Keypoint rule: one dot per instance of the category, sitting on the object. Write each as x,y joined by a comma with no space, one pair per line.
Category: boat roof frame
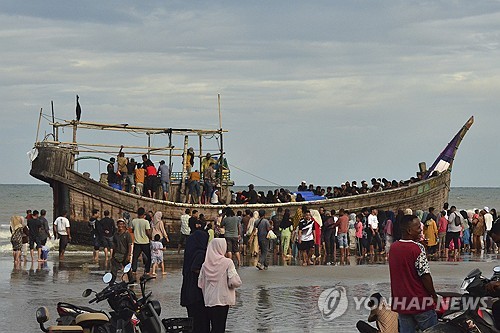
141,129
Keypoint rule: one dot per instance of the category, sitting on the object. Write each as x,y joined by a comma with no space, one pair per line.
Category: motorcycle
130,313
470,311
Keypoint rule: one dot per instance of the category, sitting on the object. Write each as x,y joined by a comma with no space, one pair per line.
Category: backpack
457,220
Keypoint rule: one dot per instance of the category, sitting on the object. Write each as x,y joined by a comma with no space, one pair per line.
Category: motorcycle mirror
496,269
87,292
107,278
127,268
42,315
473,273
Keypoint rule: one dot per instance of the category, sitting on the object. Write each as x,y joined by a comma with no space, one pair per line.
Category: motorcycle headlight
466,283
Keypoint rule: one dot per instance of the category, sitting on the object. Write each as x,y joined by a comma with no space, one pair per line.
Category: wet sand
283,298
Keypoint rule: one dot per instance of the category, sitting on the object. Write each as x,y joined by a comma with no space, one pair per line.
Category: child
359,236
45,253
210,231
157,255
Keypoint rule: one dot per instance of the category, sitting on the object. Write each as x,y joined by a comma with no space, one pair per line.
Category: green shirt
140,226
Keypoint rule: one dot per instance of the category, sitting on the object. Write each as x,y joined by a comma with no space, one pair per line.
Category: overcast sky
322,91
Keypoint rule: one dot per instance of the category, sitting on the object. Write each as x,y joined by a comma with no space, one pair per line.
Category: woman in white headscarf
16,229
253,241
218,280
158,228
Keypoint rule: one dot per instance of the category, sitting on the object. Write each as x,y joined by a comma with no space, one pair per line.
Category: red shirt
317,232
151,170
407,263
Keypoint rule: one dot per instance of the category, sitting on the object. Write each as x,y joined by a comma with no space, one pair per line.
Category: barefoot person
16,239
122,254
306,238
62,231
142,237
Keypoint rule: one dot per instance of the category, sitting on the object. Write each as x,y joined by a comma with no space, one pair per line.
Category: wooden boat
53,161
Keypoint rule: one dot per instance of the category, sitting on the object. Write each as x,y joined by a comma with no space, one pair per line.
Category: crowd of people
214,249
30,234
330,237
203,186
143,178
344,190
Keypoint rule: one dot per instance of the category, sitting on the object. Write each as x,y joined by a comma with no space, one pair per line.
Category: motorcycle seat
66,329
91,319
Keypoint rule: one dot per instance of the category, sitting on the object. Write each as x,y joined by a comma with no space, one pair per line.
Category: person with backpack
453,232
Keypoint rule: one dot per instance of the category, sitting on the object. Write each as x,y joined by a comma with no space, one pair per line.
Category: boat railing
177,176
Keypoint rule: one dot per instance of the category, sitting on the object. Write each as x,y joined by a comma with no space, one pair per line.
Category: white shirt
185,230
61,224
373,221
488,221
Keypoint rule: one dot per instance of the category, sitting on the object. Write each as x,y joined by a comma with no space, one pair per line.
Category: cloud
326,91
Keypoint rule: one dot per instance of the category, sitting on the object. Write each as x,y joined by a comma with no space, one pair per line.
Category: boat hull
78,195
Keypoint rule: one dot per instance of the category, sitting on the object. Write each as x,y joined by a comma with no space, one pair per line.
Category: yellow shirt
139,226
430,232
205,163
194,176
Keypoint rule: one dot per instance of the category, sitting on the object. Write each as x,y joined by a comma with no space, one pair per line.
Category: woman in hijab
218,280
158,228
253,242
191,294
16,229
286,229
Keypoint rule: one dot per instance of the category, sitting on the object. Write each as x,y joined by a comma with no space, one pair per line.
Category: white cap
486,209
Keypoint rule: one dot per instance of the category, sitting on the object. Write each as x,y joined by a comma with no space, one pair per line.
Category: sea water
16,199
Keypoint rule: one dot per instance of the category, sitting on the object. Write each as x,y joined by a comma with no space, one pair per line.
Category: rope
266,180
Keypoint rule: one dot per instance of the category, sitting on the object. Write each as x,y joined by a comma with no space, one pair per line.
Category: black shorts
182,240
96,242
306,246
107,242
63,242
32,242
453,237
232,244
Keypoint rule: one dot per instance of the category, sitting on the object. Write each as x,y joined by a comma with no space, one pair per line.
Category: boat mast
38,127
170,161
221,141
53,120
184,165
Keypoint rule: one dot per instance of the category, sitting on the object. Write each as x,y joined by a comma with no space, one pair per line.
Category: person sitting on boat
252,197
302,187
